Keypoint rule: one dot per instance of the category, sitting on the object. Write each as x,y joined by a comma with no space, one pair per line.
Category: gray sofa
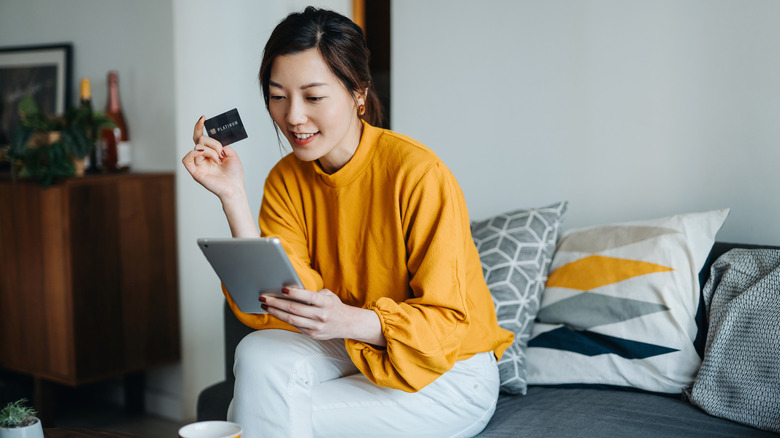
551,411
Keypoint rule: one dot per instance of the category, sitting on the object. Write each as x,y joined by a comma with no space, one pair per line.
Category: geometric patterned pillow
738,379
619,308
516,249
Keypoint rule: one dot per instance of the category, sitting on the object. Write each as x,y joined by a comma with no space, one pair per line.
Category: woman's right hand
215,167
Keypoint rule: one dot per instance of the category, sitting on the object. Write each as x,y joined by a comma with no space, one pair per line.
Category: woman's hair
341,45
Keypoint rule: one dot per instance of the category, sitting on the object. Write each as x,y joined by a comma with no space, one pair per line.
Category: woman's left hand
321,315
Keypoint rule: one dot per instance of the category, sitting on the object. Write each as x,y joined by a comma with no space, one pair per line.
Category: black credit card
226,127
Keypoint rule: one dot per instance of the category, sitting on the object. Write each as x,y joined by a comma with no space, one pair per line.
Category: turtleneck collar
357,164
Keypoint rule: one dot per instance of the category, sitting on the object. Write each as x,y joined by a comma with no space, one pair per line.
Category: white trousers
289,385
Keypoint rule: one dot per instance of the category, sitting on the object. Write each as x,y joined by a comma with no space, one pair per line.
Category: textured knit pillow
739,378
620,304
516,249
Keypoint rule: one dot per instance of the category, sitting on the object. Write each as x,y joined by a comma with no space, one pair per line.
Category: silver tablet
250,267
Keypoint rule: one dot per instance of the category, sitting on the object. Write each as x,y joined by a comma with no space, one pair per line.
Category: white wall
628,110
217,54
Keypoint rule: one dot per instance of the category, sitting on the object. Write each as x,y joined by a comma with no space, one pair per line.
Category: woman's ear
361,97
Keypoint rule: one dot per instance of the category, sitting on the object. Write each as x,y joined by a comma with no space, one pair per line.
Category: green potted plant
50,148
19,421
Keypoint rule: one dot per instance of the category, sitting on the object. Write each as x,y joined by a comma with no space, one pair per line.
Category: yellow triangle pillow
620,302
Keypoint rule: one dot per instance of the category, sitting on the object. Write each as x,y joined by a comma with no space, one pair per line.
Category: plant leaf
76,142
19,141
28,107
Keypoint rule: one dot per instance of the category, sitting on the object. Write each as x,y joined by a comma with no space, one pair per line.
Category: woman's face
314,110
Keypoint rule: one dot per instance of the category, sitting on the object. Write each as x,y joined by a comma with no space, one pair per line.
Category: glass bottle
93,159
117,151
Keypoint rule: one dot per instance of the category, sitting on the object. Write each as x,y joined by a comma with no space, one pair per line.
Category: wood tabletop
68,432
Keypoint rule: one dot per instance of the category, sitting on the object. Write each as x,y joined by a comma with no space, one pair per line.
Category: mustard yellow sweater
388,232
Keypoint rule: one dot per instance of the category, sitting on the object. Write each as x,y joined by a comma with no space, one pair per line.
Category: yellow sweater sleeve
280,218
424,333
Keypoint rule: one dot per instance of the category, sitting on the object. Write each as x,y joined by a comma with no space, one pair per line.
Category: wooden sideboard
88,280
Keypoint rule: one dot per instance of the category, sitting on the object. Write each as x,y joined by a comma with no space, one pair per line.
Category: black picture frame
43,71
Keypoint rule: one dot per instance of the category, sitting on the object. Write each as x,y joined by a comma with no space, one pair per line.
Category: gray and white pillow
516,249
738,379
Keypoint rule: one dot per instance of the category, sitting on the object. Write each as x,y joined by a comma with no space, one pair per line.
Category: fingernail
286,290
264,307
262,299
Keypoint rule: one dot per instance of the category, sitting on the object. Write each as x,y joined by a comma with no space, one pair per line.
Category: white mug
211,429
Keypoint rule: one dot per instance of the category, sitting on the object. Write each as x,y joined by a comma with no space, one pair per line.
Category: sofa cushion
738,378
620,304
515,249
582,413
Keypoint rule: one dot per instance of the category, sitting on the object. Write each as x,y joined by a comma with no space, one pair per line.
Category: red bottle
117,152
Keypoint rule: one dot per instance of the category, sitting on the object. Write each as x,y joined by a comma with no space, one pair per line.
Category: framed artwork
43,72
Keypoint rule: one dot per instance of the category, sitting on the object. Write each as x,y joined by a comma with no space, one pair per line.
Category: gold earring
361,109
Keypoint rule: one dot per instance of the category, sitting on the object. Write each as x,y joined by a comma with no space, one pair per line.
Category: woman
394,333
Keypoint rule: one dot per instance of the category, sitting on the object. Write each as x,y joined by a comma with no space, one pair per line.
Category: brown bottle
116,146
